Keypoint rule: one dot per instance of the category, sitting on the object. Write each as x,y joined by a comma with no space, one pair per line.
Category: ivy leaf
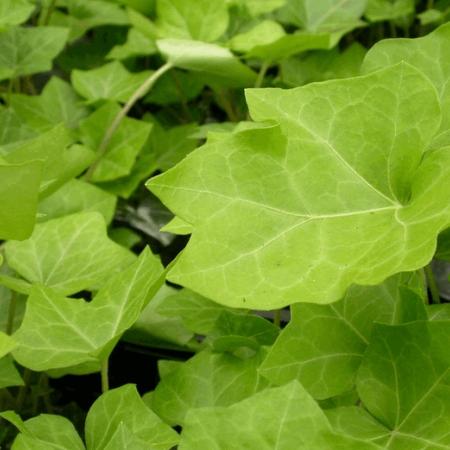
378,10
207,379
404,381
216,64
123,147
14,12
6,344
256,7
137,44
9,375
123,406
69,254
109,82
19,191
323,345
60,332
200,20
418,52
13,128
25,51
283,418
57,103
326,15
307,207
78,196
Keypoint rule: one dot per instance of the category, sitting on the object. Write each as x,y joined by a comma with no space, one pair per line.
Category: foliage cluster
295,157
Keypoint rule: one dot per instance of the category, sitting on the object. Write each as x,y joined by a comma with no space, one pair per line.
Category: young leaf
60,332
201,20
6,344
57,103
404,381
419,52
14,12
283,418
9,375
123,407
323,345
78,196
215,63
308,207
109,82
207,379
69,254
25,51
19,191
123,147
378,10
137,44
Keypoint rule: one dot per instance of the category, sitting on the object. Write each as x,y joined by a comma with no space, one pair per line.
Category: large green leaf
57,103
14,12
78,196
200,20
207,379
340,192
123,147
19,191
323,345
404,381
215,63
60,332
324,15
24,51
124,407
284,418
69,254
429,54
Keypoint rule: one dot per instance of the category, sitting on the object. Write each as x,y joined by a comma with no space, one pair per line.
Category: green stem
277,318
432,286
46,13
140,92
11,313
104,375
262,73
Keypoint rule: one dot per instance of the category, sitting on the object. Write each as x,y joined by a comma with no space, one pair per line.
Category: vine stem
44,19
277,318
104,375
11,313
261,74
432,286
138,93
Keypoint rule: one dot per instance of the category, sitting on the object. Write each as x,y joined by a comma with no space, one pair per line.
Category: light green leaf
404,381
123,406
137,44
78,196
323,65
60,332
48,432
61,160
207,379
125,237
69,254
257,7
14,12
324,15
25,51
378,10
200,20
19,191
86,14
215,63
284,418
123,147
57,103
177,226
429,54
323,345
6,344
109,82
316,207
9,375
13,128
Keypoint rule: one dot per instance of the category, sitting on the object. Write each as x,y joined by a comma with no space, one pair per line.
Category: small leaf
25,51
378,10
137,44
9,375
124,407
69,254
14,12
6,344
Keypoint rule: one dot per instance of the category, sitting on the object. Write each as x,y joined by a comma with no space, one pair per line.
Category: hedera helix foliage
302,145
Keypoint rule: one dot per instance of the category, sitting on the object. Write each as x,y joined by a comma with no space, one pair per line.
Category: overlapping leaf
340,192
